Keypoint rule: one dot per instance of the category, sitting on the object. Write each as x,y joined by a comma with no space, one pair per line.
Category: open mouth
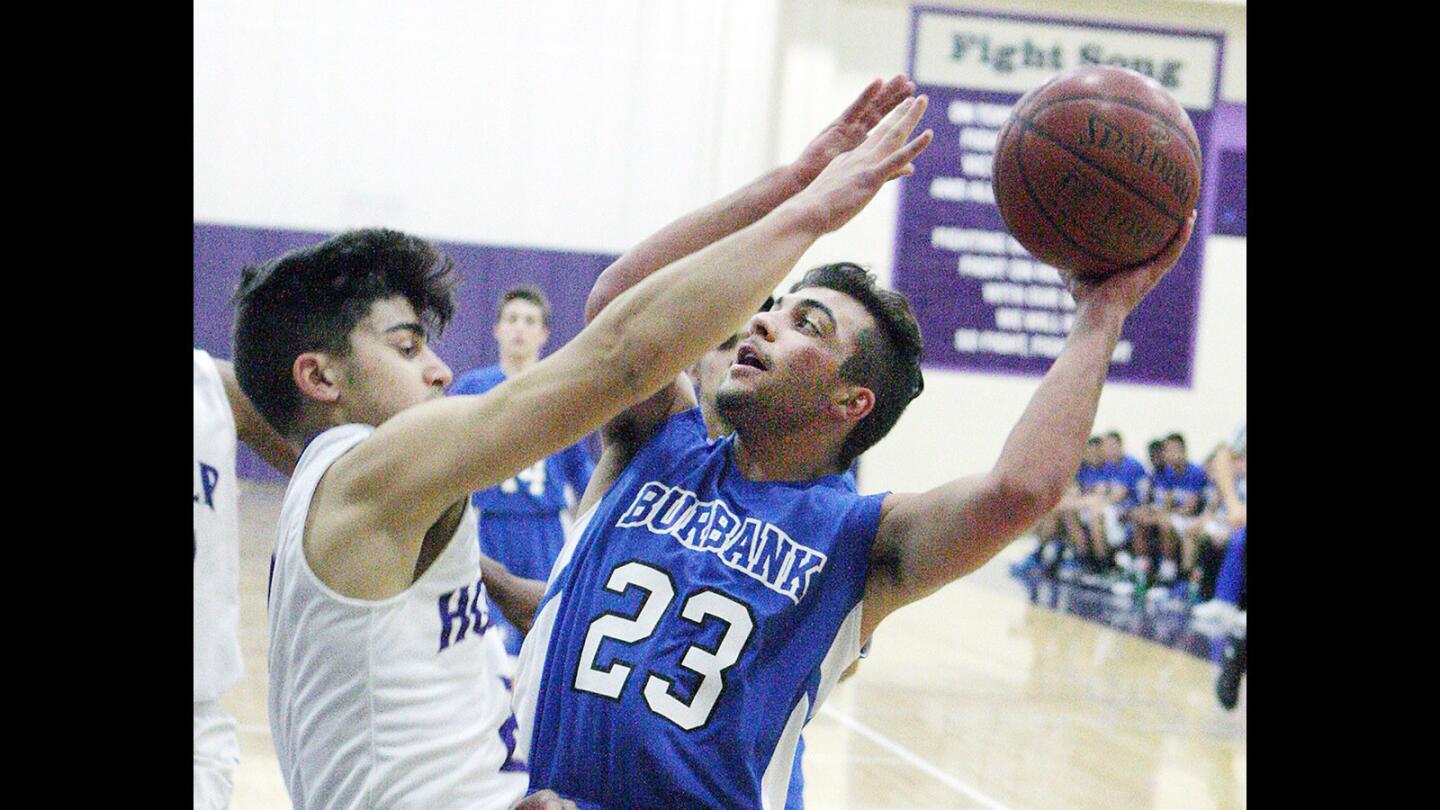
747,356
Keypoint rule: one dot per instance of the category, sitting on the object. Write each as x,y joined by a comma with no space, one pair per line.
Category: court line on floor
913,759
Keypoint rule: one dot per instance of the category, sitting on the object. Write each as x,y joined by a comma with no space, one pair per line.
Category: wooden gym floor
972,698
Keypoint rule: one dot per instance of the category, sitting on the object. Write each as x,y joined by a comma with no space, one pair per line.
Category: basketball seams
1106,262
1031,126
1188,136
1114,199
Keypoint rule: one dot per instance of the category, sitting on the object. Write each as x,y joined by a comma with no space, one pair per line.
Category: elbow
628,354
1025,500
601,294
594,303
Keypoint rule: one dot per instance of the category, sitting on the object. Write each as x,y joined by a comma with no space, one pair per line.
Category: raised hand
853,177
849,130
1126,288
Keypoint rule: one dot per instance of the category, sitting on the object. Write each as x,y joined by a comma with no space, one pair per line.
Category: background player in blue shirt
520,518
1122,475
713,591
1183,483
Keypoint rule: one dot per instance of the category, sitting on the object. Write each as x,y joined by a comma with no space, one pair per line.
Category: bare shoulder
351,545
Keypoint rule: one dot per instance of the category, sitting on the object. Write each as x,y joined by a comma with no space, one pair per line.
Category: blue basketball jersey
1184,487
1088,477
520,517
540,488
1128,472
691,627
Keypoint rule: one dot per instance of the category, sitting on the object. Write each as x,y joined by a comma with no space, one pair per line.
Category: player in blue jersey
714,590
707,375
1228,470
1184,484
1122,475
520,518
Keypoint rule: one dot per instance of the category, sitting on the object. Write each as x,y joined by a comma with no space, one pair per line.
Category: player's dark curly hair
886,359
312,298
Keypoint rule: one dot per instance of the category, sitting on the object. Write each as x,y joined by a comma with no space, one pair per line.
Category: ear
317,375
853,403
544,335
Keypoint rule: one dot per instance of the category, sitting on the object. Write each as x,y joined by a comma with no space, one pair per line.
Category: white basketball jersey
216,552
396,703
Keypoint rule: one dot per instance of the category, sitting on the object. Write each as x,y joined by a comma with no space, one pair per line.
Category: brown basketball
1096,170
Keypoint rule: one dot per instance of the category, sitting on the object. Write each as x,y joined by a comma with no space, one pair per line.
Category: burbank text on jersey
760,549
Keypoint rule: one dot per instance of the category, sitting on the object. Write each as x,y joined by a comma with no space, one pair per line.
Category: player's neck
513,365
784,456
715,424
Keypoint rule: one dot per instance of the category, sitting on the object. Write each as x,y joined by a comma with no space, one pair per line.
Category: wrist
1099,313
793,178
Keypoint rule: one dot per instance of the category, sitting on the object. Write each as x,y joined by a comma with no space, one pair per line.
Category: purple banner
983,303
484,272
1230,201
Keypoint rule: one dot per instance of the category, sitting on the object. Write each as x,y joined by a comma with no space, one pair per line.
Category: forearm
1042,452
428,456
692,232
252,429
517,597
717,288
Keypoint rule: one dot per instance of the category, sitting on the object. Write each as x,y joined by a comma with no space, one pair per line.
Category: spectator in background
520,519
1074,525
1121,476
1085,517
1184,483
1175,506
1227,465
1148,515
1227,531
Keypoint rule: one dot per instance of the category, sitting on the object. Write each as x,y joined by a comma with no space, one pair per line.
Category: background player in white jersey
222,415
379,695
715,591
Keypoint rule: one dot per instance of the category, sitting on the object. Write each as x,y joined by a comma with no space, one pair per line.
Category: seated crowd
1164,529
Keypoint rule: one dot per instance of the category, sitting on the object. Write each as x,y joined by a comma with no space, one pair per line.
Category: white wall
586,125
580,125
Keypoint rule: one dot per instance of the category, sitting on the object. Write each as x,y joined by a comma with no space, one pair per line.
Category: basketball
1096,170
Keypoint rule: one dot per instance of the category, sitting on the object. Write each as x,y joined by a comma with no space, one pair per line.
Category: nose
437,373
761,326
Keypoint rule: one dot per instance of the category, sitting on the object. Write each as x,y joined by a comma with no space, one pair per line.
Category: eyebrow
811,303
413,327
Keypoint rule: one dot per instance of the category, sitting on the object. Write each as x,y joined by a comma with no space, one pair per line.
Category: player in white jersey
381,692
222,415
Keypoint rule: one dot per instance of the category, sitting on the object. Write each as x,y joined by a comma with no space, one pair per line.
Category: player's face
1094,456
711,369
391,366
1112,448
789,361
1174,454
520,330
